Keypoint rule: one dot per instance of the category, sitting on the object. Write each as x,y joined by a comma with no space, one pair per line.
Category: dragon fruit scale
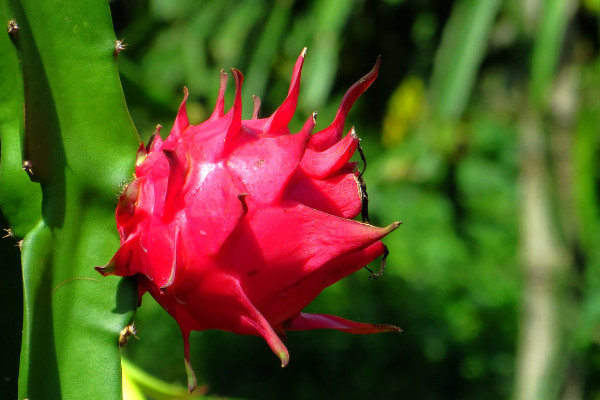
238,224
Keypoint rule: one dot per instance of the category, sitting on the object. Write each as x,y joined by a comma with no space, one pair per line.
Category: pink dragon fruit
238,224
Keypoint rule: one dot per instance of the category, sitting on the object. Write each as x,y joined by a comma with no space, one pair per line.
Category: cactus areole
239,224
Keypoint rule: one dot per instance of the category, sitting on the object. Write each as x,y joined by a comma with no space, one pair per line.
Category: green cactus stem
63,113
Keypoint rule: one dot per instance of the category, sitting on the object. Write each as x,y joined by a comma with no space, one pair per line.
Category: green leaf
81,144
585,178
547,48
329,19
458,58
265,52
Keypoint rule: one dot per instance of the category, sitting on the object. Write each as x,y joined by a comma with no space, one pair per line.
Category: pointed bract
306,321
180,125
330,135
282,117
330,161
234,126
220,106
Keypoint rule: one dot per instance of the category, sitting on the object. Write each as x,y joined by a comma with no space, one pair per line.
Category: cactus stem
12,27
77,278
120,46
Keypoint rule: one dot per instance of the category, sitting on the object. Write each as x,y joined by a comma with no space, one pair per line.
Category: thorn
20,244
28,167
12,27
9,233
129,330
119,46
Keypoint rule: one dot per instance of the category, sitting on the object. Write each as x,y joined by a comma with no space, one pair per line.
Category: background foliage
481,134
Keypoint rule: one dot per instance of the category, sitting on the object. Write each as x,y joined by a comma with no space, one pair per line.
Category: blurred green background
481,134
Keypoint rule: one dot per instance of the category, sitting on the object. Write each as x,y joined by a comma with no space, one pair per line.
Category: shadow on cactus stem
44,149
42,326
126,296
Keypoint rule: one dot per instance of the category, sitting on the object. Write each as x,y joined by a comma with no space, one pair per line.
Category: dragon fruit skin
238,224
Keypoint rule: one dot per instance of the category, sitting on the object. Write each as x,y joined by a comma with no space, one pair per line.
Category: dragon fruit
238,224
